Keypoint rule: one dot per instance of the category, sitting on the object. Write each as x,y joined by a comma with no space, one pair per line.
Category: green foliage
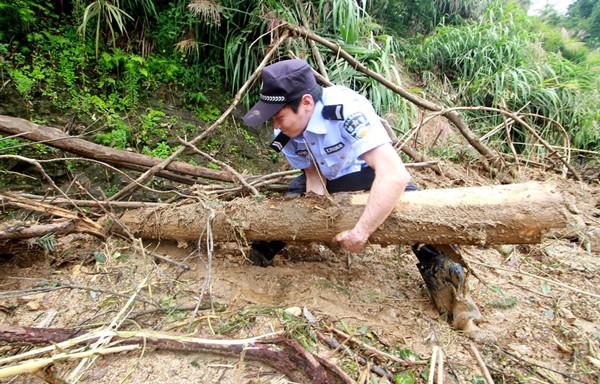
410,17
405,378
111,190
104,14
162,150
18,17
584,18
23,83
116,138
152,127
171,25
9,146
496,63
346,16
134,51
208,112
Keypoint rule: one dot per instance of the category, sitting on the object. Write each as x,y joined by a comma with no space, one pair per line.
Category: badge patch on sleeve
357,125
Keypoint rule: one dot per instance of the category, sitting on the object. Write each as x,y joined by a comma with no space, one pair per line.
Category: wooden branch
37,230
550,281
433,364
81,224
482,367
313,48
164,174
440,368
371,350
58,201
488,154
58,285
518,119
346,379
38,364
56,138
275,350
334,344
235,173
501,214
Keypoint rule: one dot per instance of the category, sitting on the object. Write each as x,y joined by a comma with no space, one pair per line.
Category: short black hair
316,94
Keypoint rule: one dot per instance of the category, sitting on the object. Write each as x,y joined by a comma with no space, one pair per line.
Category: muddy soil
542,303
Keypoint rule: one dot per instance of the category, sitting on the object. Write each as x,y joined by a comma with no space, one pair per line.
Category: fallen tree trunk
56,138
502,214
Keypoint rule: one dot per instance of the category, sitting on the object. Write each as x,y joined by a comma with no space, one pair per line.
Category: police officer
335,137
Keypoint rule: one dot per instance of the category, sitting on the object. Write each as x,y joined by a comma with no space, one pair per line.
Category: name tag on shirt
334,148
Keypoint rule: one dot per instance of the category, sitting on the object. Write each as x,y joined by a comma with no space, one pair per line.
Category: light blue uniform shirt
338,142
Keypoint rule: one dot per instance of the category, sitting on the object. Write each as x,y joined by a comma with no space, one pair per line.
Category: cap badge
272,99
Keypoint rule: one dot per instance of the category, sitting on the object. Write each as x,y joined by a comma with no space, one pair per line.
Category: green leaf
405,378
545,288
100,258
407,354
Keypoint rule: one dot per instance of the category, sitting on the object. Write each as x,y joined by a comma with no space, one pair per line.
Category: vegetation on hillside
582,20
499,61
121,66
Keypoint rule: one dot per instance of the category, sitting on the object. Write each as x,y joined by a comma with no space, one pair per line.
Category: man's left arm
391,177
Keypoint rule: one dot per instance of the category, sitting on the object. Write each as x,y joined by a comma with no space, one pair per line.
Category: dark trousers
356,181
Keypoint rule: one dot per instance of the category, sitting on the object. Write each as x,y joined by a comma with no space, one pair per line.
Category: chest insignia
333,148
302,152
333,112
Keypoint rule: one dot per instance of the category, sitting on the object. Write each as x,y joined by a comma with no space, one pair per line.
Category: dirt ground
542,302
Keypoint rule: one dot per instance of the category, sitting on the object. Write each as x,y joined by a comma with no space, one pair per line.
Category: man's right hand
352,240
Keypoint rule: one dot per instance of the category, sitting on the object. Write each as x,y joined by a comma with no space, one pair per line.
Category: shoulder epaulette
279,142
333,112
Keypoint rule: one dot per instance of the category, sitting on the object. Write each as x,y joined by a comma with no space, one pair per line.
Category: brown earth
379,297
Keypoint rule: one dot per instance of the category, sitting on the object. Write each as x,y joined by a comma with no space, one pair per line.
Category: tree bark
56,138
502,214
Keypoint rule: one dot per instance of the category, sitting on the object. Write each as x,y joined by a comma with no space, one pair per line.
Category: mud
379,295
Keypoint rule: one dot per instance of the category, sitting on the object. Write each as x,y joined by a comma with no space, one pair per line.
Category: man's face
291,123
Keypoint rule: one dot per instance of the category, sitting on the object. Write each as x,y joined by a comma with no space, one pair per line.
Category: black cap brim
260,113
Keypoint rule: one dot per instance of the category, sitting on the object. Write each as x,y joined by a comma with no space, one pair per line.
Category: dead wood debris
275,349
80,222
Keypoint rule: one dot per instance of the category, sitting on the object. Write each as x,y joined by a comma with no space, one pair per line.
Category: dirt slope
379,297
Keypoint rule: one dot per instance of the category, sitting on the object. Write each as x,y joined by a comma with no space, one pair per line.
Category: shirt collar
316,124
